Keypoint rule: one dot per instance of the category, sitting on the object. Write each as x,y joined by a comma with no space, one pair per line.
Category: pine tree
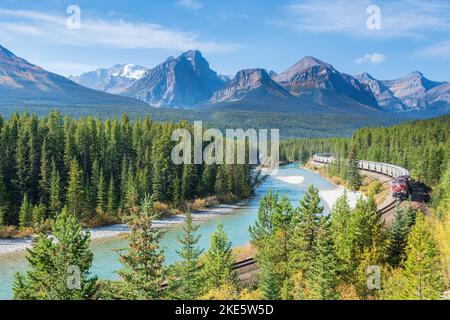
322,276
39,214
55,191
76,196
177,194
56,263
268,283
274,229
23,159
342,234
26,213
188,182
45,174
222,186
2,216
188,284
353,177
398,235
368,229
4,200
424,278
111,201
101,197
219,261
306,226
263,227
143,271
208,180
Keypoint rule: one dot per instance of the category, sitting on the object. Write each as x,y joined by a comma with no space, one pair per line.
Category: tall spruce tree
322,276
4,200
26,213
58,266
45,174
55,204
101,196
219,261
305,230
352,175
143,271
269,282
398,235
424,277
342,235
188,283
76,196
112,198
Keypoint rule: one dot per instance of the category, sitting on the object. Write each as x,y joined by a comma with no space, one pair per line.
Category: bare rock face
385,97
179,82
412,90
439,97
250,81
310,76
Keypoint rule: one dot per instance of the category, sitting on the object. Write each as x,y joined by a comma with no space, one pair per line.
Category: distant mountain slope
24,83
411,93
385,97
318,80
412,89
439,97
254,89
179,82
248,82
111,80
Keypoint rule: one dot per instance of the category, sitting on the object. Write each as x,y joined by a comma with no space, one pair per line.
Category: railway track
236,267
388,207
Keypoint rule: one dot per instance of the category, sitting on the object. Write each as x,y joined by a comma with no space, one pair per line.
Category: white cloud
191,4
436,50
96,32
373,58
407,18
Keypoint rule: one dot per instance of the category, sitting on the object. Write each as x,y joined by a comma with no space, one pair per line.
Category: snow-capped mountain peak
113,79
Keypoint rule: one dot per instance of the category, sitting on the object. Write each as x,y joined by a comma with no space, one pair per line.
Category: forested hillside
422,146
99,169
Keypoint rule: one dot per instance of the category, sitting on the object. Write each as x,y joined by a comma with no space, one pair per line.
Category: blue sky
413,34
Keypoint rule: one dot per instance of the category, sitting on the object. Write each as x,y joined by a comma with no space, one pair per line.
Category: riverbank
9,246
331,196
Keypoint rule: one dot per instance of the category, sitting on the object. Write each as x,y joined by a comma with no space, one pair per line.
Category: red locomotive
400,187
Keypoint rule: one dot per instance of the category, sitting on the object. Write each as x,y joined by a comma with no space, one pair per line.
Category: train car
400,188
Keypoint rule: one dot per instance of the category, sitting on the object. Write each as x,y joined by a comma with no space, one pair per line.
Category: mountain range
309,85
188,82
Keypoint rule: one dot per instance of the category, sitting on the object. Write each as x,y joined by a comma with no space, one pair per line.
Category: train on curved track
401,183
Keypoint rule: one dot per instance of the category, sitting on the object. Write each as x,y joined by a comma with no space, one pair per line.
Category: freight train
400,185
